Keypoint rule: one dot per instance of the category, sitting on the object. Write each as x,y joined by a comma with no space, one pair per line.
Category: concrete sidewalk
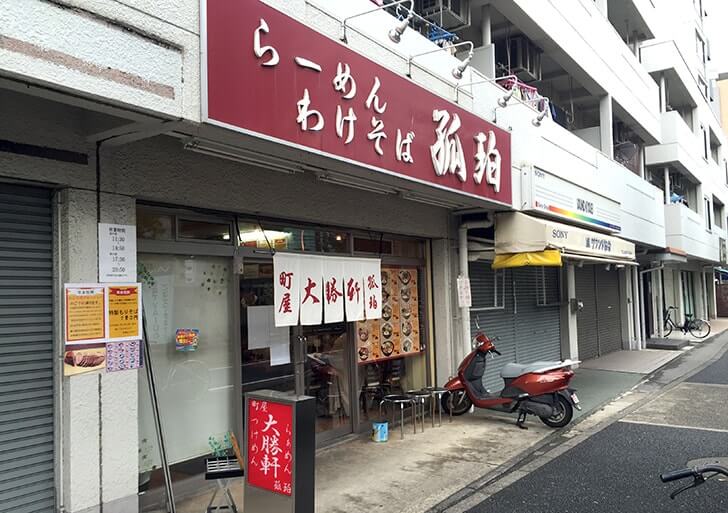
420,472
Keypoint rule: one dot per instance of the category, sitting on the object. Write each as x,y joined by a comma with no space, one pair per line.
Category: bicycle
698,328
700,470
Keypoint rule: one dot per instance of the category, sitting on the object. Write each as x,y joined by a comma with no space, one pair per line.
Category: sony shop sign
549,194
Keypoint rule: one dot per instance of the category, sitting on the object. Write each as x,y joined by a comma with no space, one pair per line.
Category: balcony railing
686,231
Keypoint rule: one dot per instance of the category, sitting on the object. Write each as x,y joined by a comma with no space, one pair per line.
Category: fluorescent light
354,183
438,202
259,235
236,154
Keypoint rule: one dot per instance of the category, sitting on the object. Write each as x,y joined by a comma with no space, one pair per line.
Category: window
547,286
203,230
700,48
725,167
717,212
706,148
153,225
293,238
708,213
488,286
703,87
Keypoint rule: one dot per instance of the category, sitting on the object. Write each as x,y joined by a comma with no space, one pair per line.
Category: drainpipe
463,259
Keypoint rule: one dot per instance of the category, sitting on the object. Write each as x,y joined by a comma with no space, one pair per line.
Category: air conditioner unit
448,14
521,57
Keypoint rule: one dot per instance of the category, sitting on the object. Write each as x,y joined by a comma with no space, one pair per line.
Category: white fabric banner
286,283
311,290
372,272
333,272
354,290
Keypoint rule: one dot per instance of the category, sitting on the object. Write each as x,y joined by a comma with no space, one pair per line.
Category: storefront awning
518,235
548,258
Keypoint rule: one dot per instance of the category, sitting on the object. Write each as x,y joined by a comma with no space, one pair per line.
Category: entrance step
666,343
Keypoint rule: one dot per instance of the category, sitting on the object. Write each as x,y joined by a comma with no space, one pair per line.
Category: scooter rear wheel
461,403
563,414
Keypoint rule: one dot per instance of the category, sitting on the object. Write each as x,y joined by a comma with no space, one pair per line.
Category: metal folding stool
222,470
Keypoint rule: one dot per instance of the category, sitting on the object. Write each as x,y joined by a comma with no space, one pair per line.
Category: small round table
436,393
403,401
420,397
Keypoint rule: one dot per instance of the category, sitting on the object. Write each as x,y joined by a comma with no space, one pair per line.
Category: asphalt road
616,470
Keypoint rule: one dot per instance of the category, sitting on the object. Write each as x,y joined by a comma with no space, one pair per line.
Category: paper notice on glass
280,354
262,332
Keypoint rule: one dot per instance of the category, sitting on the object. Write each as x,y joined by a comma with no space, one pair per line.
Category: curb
558,438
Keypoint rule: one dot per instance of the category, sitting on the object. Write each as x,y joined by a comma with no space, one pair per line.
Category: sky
716,25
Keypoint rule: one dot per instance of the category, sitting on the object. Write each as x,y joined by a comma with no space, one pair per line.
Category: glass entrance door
327,377
306,360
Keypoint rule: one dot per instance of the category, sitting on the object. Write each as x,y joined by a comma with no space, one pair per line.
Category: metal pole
157,419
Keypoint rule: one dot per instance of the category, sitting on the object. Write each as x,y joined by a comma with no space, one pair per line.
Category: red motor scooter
539,388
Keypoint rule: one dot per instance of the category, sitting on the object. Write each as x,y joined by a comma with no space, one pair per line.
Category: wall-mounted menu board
397,333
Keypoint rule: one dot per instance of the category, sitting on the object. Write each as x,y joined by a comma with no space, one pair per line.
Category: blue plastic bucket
380,431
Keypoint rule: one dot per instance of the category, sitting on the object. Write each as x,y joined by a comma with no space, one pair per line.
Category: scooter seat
513,370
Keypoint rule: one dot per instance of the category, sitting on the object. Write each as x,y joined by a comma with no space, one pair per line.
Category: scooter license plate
574,399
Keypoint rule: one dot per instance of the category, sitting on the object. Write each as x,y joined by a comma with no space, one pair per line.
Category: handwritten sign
85,313
270,446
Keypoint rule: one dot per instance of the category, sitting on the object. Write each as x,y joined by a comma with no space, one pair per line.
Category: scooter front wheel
563,413
461,403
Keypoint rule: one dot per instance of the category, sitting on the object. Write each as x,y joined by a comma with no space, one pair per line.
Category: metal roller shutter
538,317
608,311
586,319
499,322
26,357
527,332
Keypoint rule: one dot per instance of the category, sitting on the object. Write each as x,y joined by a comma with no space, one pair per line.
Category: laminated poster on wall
84,358
187,339
125,355
397,333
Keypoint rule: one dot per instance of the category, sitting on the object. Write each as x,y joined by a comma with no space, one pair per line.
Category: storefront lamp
459,74
395,34
537,120
503,100
460,68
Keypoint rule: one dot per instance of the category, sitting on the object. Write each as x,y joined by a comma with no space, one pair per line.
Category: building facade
565,159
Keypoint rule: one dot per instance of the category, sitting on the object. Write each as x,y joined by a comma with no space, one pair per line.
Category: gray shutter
26,351
609,318
538,328
493,322
586,319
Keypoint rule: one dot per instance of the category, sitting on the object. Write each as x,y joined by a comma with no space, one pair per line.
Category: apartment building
564,159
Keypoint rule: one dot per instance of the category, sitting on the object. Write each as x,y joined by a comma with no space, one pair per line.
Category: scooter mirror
477,322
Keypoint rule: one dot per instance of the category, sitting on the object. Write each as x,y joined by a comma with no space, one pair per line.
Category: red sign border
254,397
206,119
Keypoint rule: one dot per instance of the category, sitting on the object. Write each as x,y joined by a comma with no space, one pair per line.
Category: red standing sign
269,75
270,446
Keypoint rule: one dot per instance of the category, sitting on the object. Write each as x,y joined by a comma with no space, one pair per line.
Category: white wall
107,50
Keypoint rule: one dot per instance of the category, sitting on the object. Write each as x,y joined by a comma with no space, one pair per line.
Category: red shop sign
273,77
270,445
